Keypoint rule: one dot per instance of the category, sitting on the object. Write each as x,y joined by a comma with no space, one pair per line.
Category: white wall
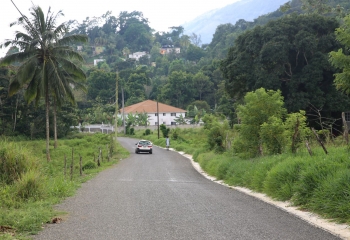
167,119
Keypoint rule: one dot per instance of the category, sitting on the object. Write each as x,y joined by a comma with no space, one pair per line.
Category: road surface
161,196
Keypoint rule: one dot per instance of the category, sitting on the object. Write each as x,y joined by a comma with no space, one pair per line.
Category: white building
167,113
166,49
137,55
97,61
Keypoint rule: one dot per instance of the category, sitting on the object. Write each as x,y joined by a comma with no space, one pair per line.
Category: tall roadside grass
30,186
318,183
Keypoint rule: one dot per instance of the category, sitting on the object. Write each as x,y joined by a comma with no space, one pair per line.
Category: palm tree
46,60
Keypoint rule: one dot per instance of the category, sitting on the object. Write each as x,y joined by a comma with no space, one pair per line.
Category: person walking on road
167,142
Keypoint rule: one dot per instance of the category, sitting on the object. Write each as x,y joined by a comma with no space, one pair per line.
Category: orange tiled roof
150,106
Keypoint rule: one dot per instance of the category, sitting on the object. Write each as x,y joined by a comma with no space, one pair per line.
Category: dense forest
285,50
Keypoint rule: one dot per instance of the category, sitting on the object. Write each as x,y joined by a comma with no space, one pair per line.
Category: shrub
296,129
258,108
272,135
165,131
147,132
175,134
14,161
89,165
215,138
30,185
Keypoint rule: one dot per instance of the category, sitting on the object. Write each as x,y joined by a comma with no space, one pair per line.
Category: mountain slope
206,24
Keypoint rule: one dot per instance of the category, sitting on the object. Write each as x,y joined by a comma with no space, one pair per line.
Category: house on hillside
137,55
96,61
167,113
166,49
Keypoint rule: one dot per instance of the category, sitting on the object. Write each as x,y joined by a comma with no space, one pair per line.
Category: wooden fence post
295,136
308,147
71,165
101,155
107,153
319,141
98,160
80,164
65,165
346,130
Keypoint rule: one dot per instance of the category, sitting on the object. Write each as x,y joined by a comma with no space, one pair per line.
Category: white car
143,146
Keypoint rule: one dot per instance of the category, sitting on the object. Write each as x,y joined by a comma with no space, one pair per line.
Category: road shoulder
340,230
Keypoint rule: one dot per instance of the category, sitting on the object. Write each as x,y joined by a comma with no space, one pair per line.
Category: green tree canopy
341,58
291,55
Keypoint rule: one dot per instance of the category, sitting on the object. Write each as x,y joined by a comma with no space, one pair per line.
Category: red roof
150,106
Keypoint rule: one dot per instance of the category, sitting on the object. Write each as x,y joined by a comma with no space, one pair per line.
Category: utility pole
158,118
116,107
123,110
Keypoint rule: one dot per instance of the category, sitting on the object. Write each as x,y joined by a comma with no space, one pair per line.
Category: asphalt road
161,196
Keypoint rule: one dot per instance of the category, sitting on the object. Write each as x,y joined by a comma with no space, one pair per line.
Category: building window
156,123
164,123
164,114
156,114
173,114
347,116
173,123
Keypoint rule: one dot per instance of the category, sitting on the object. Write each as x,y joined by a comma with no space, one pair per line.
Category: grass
30,186
320,183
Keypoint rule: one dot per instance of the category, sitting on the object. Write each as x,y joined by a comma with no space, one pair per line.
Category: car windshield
144,143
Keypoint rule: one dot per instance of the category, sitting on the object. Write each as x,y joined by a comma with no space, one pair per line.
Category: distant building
166,49
80,48
97,61
167,113
137,55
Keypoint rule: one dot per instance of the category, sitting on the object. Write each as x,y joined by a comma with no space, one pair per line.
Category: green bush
258,107
14,161
89,165
165,131
147,132
30,185
272,135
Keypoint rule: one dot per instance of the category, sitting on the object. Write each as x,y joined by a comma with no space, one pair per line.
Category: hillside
248,10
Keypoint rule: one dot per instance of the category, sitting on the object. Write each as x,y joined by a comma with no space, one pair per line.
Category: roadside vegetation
30,186
271,152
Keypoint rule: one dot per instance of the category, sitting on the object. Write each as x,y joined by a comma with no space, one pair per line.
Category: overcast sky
161,14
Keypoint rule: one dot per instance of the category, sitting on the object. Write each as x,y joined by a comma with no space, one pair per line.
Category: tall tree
202,84
46,60
341,58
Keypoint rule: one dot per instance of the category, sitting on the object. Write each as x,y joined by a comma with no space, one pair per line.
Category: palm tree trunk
47,103
15,120
55,121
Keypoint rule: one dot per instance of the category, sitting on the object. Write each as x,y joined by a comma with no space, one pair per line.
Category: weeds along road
161,196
